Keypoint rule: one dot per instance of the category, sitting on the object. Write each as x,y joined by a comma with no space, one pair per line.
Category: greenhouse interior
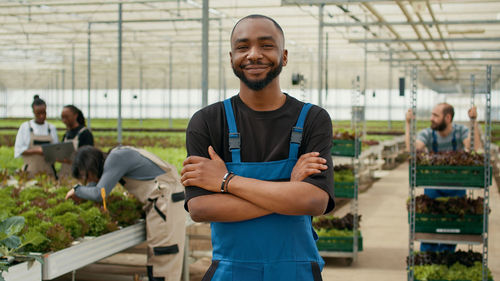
123,120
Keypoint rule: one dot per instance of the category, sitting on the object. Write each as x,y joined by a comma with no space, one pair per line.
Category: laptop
58,151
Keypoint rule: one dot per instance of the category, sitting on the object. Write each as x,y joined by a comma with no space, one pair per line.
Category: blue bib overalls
435,193
269,248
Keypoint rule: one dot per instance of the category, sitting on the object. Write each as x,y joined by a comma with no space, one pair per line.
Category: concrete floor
384,226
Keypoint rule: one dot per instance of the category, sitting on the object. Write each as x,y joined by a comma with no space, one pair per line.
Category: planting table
25,271
92,250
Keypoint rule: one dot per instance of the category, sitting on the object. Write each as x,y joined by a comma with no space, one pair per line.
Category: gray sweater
123,162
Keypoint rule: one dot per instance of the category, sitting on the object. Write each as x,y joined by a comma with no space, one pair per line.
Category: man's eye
242,48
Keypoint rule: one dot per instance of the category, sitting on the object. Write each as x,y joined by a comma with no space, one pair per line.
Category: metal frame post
140,89
73,74
365,80
389,90
356,165
204,54
63,86
413,172
89,116
57,90
220,59
472,93
320,54
164,97
189,91
170,84
487,164
119,125
326,69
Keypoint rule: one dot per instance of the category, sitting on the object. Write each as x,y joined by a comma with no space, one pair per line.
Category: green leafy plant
450,158
343,173
11,244
331,222
448,205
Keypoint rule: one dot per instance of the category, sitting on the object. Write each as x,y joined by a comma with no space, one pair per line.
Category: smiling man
259,167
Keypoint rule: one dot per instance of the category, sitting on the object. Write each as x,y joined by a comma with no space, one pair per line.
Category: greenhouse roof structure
58,43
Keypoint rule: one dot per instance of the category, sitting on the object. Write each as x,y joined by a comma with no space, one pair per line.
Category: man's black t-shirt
265,137
85,138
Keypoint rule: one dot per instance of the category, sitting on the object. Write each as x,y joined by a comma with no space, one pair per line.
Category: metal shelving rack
357,113
453,238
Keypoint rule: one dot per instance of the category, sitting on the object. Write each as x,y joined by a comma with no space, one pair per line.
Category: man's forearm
407,137
477,137
32,151
223,208
287,198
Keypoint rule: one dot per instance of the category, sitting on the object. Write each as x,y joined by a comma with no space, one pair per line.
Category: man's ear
448,118
285,57
231,57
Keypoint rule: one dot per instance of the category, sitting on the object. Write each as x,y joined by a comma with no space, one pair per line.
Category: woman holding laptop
31,135
76,132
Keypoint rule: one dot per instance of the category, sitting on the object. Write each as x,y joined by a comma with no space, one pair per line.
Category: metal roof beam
436,50
331,2
82,3
416,40
437,59
406,23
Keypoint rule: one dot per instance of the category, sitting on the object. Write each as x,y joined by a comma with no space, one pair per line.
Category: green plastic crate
338,244
460,176
448,280
449,224
345,148
344,189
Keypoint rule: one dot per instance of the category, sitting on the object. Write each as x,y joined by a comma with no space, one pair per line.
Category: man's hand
308,164
409,116
473,113
203,172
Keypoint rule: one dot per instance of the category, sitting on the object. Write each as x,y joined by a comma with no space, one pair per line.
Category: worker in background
76,132
443,135
31,135
238,175
154,183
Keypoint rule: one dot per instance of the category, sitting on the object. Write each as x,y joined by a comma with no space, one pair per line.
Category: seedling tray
338,244
345,148
448,280
460,176
449,224
344,189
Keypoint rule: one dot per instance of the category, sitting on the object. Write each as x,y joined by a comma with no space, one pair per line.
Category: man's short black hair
258,16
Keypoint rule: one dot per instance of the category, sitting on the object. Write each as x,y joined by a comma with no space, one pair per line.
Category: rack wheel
348,261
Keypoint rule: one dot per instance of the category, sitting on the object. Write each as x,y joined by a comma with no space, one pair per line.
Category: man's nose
254,53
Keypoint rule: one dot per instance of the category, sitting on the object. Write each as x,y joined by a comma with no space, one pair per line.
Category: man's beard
439,127
259,84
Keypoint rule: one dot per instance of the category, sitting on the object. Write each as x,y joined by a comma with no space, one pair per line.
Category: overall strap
454,140
434,142
234,136
296,136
